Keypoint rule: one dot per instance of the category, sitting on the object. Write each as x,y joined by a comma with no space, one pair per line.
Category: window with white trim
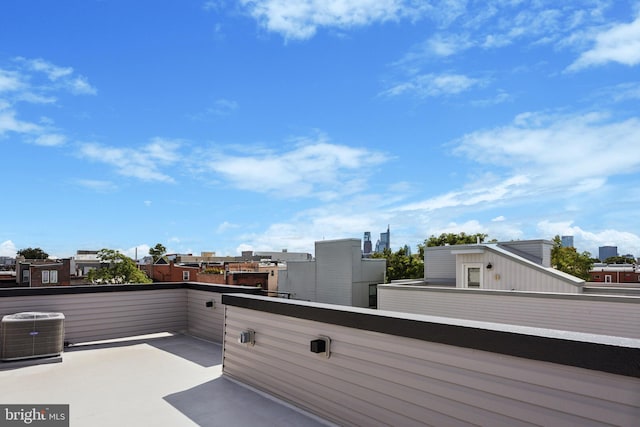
53,276
45,276
472,275
185,275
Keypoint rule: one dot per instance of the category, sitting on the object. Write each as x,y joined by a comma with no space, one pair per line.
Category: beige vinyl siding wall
538,251
376,379
334,270
366,272
205,322
439,265
105,315
507,274
299,279
607,315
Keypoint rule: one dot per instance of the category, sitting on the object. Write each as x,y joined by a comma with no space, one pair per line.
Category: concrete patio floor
160,380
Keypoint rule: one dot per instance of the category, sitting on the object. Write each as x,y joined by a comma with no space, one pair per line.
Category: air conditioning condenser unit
31,334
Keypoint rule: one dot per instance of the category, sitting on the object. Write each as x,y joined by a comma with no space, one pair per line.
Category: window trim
465,274
45,273
185,275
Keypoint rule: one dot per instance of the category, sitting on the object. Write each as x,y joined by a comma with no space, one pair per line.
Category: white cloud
96,185
33,81
301,19
80,86
499,98
221,107
143,163
52,71
492,25
140,251
624,92
490,192
225,226
432,85
243,247
10,81
591,240
314,167
447,44
59,78
8,248
213,5
469,227
620,43
9,122
498,219
554,150
50,140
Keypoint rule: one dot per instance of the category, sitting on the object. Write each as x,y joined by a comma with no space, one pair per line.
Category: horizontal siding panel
339,405
376,378
579,315
205,322
96,316
365,342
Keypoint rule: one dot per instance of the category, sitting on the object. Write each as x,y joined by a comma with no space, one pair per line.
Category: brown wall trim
610,354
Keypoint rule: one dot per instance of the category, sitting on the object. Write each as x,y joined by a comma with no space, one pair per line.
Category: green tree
402,266
454,239
33,253
570,261
620,260
120,269
157,251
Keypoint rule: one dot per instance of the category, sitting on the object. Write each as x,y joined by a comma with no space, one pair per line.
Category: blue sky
268,124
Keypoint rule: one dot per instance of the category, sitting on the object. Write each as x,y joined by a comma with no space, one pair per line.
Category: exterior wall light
210,304
489,266
247,337
321,345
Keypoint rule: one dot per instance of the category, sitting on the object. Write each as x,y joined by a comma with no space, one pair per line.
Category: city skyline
264,125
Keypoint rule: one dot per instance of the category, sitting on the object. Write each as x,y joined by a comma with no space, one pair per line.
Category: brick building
240,274
615,273
40,273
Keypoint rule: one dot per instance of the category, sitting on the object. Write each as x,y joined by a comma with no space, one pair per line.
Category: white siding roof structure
502,268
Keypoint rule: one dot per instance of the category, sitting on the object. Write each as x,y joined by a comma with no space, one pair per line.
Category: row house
39,273
615,273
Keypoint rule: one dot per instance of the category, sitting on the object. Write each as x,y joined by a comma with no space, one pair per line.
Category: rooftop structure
338,275
523,265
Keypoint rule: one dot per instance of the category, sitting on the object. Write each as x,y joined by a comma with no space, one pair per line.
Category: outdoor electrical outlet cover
247,337
321,345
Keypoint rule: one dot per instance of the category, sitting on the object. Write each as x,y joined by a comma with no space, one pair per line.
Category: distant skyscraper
384,242
605,252
366,249
567,241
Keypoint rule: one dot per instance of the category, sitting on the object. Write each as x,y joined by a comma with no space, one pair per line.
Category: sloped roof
561,275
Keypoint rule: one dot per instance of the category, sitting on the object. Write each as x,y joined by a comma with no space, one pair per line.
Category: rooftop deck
185,364
161,380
